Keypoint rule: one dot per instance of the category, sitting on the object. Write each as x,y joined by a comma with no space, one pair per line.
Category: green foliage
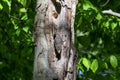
113,61
94,65
97,40
16,43
86,63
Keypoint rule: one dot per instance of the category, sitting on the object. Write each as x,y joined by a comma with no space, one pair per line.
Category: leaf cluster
97,40
16,42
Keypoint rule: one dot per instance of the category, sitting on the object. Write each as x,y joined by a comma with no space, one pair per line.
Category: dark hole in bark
65,73
65,47
65,35
58,54
55,79
57,6
40,53
54,36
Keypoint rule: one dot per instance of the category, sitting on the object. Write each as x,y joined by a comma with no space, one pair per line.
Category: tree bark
55,56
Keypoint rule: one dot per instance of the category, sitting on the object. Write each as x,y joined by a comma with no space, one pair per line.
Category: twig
105,3
13,17
111,13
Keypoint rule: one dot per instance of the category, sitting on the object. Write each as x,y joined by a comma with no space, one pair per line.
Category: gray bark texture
55,56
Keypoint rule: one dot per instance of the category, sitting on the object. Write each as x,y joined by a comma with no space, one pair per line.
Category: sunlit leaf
23,10
1,7
113,25
80,67
86,63
113,61
25,29
23,2
87,5
25,17
106,24
94,65
98,17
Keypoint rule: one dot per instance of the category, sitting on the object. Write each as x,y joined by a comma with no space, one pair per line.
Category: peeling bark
55,56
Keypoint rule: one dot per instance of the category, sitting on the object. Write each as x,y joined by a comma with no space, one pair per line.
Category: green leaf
86,63
105,65
23,2
1,63
113,25
7,5
23,10
98,17
87,5
1,7
113,61
25,29
17,32
13,22
25,17
94,65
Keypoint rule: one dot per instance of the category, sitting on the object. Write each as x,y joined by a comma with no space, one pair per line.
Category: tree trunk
55,56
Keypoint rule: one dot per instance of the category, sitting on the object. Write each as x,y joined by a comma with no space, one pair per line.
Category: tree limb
111,13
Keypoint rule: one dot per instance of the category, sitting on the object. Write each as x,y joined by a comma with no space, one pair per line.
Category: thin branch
13,17
111,13
105,3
